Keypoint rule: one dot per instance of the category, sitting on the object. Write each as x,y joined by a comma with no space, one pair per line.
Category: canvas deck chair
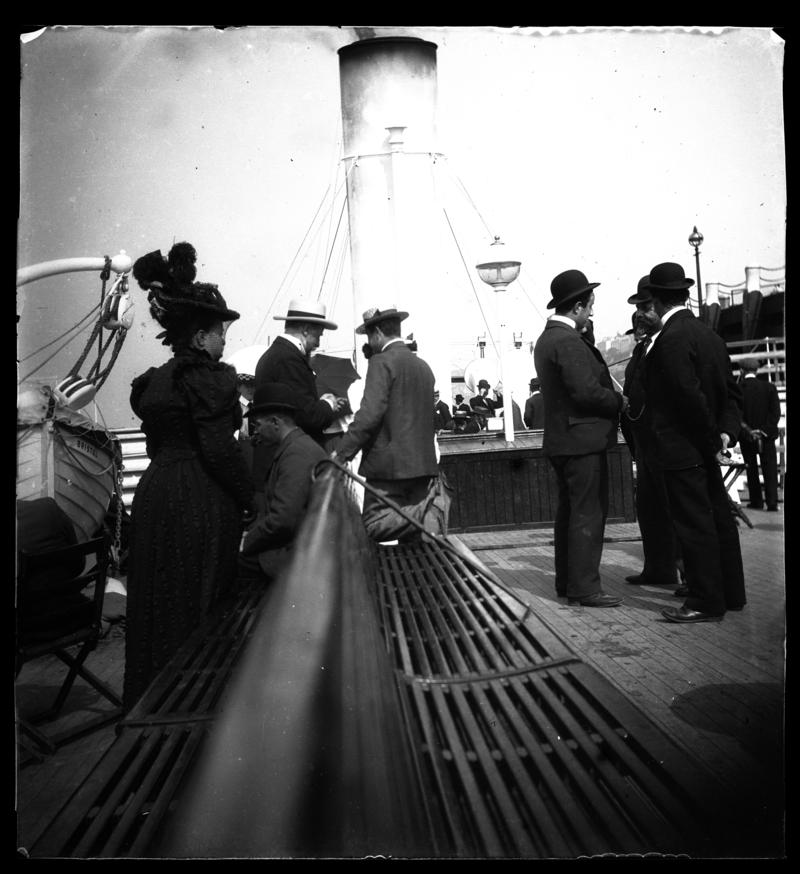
56,617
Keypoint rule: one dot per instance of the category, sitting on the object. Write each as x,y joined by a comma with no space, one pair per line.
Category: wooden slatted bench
524,749
396,701
116,810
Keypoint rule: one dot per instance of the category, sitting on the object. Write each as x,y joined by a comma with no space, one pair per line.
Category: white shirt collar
669,314
557,318
389,342
750,376
664,319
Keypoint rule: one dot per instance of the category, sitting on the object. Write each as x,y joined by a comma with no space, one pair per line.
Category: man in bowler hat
267,544
659,543
760,417
482,401
581,417
534,406
694,414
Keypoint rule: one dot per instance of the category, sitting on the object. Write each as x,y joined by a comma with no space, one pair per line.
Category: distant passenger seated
482,402
267,545
461,406
442,420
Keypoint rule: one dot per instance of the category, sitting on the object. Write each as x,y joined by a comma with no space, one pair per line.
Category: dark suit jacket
534,411
581,408
283,362
286,494
761,406
634,422
691,394
394,426
442,417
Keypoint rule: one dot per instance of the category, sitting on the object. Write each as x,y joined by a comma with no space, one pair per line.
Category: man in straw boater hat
267,544
580,425
695,411
287,361
395,431
659,544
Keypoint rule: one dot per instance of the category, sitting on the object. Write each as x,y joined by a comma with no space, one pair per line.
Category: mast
388,96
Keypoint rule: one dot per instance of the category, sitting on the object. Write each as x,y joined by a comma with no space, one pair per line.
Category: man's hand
724,456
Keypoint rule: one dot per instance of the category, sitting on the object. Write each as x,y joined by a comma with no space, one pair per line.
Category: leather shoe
755,506
685,614
599,599
642,580
636,579
681,592
772,509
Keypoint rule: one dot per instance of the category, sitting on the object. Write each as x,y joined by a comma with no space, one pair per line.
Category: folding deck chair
55,618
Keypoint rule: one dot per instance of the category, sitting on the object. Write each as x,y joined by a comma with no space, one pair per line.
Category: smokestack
397,241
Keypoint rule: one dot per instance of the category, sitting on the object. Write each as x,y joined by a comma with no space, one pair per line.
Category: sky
595,149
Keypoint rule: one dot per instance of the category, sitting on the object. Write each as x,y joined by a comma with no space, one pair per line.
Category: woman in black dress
193,500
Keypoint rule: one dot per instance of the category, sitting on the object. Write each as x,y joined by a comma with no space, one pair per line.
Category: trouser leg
586,481
696,529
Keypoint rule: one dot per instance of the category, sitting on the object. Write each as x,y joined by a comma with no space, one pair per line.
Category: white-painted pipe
120,263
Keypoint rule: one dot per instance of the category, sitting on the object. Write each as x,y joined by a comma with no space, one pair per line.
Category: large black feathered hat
170,283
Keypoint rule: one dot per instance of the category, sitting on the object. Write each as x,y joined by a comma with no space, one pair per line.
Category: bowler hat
567,286
272,396
668,277
374,315
310,311
642,291
483,383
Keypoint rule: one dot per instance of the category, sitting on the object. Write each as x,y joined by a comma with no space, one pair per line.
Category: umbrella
334,375
245,360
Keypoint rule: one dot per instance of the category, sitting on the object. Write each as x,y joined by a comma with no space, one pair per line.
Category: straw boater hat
272,396
310,311
642,291
668,277
567,286
374,315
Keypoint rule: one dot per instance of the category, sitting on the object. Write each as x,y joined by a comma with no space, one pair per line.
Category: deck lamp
499,269
696,238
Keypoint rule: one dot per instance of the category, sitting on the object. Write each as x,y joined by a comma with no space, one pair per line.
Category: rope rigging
117,332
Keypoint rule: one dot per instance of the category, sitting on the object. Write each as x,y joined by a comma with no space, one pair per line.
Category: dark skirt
184,543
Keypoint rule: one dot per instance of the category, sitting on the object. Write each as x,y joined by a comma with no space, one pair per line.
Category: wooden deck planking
716,689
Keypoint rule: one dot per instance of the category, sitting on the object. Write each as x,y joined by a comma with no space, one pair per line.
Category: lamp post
482,344
499,270
696,239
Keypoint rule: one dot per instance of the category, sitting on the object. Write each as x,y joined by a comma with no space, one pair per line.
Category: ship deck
716,688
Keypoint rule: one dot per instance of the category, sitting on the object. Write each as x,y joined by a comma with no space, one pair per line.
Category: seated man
267,544
461,406
442,419
481,401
